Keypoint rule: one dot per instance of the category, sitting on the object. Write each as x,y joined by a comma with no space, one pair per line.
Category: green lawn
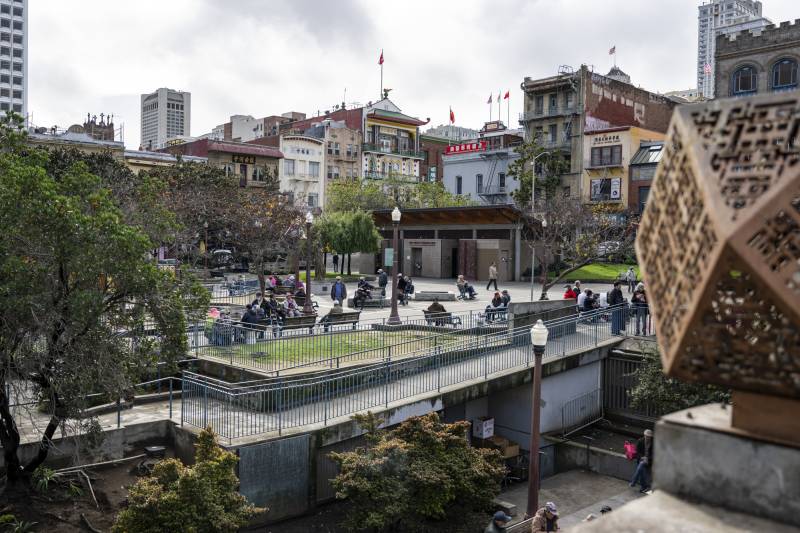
289,351
600,271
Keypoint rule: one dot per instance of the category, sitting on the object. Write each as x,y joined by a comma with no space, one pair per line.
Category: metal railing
278,403
581,411
369,147
273,348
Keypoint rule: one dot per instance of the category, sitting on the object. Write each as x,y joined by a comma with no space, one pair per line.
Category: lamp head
396,215
539,334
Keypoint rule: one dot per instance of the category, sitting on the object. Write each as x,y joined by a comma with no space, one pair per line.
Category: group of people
545,519
364,289
588,301
498,306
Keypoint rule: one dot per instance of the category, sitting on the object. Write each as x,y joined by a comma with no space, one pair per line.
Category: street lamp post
533,207
538,340
308,308
394,318
205,242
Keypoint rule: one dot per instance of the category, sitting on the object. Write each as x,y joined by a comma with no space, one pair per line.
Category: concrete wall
511,408
577,455
431,257
494,251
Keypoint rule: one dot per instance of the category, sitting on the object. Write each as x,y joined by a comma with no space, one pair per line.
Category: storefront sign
477,146
610,138
246,159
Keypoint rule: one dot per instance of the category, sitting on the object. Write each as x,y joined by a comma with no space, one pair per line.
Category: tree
535,161
195,499
390,192
75,286
348,232
422,471
665,394
576,235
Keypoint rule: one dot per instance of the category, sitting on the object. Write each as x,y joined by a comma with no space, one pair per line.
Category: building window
5,37
501,180
570,99
553,104
17,11
312,200
18,25
313,169
335,148
330,147
18,94
784,75
5,9
5,23
4,92
18,67
479,183
553,133
288,167
349,150
745,81
643,173
459,185
17,80
539,104
606,156
18,39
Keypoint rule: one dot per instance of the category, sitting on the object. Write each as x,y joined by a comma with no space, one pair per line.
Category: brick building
432,148
253,164
758,61
560,109
641,172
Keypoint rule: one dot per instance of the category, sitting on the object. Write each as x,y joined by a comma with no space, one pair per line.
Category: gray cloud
264,57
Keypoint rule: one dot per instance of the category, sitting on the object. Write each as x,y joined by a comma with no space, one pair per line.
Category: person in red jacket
569,293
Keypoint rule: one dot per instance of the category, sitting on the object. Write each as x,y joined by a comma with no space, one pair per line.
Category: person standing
338,291
644,462
616,302
383,281
335,263
630,277
492,276
402,283
639,304
498,524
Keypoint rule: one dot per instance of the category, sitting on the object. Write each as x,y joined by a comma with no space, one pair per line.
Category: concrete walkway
576,493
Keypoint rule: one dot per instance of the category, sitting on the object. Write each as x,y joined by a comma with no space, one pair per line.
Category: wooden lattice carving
719,244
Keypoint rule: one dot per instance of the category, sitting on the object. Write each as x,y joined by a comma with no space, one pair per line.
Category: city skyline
301,56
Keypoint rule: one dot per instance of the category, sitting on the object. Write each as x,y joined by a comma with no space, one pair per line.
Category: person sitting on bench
326,320
437,310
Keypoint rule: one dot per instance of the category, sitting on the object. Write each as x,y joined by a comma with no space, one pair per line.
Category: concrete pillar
474,233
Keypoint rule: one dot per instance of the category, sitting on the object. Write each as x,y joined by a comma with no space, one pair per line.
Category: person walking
339,291
402,283
639,304
546,518
335,263
492,276
630,277
644,462
383,281
498,524
616,302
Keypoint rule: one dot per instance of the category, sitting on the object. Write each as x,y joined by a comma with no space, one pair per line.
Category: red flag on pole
613,50
452,116
489,101
506,95
380,61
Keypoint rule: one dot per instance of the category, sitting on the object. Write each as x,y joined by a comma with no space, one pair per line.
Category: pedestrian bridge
282,404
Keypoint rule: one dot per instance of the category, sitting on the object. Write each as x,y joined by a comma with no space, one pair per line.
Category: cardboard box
510,451
497,442
483,427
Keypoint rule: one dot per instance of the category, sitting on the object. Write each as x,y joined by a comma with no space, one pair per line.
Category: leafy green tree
347,195
390,192
75,286
664,394
423,471
348,232
195,499
535,161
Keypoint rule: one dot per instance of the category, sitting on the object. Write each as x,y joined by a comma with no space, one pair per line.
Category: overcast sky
264,57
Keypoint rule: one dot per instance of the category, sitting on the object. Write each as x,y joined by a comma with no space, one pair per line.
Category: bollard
119,413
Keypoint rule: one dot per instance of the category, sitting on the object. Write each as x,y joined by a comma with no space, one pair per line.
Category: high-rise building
719,17
166,114
14,56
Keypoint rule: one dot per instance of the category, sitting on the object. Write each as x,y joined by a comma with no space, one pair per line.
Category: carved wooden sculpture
719,245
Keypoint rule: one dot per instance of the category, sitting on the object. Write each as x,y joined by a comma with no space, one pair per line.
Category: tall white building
718,17
166,114
14,56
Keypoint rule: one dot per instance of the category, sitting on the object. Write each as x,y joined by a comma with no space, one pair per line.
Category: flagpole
490,109
381,94
499,103
508,111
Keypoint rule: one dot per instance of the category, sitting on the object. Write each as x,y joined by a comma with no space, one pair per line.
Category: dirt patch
59,507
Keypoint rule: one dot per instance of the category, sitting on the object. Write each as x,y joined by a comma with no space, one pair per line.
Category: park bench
351,317
298,322
280,290
441,319
375,301
301,302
